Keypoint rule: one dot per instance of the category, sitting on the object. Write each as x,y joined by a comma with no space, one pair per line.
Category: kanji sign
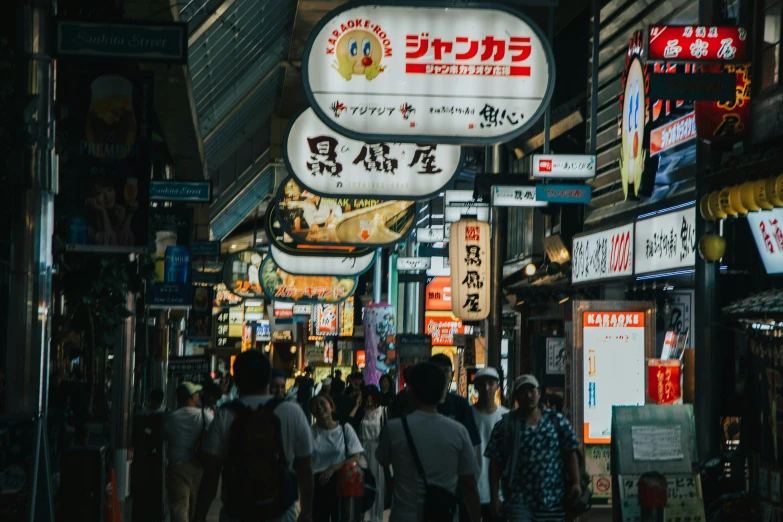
664,381
559,193
438,294
666,242
691,43
279,285
565,166
470,258
672,134
442,327
468,75
516,196
405,264
332,165
321,265
325,319
766,230
602,255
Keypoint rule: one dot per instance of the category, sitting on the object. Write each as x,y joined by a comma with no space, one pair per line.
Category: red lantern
725,123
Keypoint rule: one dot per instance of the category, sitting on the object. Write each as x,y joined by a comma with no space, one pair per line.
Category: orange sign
672,134
442,326
664,381
613,319
360,358
439,294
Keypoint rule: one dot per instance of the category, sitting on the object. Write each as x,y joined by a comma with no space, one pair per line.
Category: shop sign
516,196
726,122
183,191
325,318
429,235
664,381
683,86
193,368
635,104
263,331
116,41
346,317
766,230
469,252
687,43
320,265
665,242
614,364
360,222
279,285
200,317
407,264
442,327
561,193
467,75
283,310
603,255
302,309
242,273
168,296
205,248
439,294
563,166
673,133
224,297
330,164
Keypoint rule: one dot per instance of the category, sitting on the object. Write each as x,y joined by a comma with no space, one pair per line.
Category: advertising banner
470,260
379,341
438,294
563,166
442,327
668,43
614,366
766,230
279,285
666,242
330,164
314,220
603,255
242,274
428,74
105,134
200,317
169,228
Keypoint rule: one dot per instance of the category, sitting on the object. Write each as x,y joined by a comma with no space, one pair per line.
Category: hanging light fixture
530,270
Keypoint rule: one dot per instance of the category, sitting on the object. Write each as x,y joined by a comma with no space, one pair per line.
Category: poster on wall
379,341
279,285
614,368
426,74
331,164
666,242
359,222
325,319
105,133
555,355
470,259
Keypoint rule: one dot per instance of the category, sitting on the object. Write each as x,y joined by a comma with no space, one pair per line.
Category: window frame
762,7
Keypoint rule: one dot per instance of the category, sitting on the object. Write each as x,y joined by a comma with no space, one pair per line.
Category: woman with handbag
368,419
333,447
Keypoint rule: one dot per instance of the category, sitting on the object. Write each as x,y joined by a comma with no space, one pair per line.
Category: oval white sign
469,75
331,164
321,265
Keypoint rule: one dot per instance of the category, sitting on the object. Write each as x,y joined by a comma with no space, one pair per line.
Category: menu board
614,366
684,501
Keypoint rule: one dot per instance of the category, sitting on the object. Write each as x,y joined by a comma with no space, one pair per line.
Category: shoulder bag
440,504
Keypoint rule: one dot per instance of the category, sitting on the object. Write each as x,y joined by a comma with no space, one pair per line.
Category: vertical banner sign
200,318
346,318
726,123
666,242
469,253
614,357
379,341
635,104
105,164
664,381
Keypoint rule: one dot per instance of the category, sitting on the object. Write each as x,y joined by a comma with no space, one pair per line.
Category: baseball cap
327,381
487,372
523,380
191,387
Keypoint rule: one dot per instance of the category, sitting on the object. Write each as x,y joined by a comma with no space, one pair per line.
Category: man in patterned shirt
531,450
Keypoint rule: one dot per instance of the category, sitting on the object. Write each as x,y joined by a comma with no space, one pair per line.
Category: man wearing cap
487,414
533,451
183,430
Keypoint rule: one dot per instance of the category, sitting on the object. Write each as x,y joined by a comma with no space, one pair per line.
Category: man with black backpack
258,442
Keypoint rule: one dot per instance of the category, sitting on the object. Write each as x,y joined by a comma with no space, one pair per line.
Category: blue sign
168,296
562,193
145,42
198,191
205,248
177,264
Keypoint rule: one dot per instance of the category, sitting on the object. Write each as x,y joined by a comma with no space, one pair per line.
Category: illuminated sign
563,166
280,285
442,327
665,242
691,43
767,232
469,254
603,255
241,273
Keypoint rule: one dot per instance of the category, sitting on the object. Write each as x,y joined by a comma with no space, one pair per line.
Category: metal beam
209,21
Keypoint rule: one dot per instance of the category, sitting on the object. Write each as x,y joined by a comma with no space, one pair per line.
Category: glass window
770,51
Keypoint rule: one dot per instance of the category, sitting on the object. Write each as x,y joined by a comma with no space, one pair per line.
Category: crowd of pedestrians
279,456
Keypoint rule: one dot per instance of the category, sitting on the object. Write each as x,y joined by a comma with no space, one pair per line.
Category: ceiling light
530,269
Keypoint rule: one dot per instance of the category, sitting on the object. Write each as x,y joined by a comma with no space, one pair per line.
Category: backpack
257,482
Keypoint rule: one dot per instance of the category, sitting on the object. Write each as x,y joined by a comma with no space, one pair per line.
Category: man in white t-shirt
487,414
252,373
442,444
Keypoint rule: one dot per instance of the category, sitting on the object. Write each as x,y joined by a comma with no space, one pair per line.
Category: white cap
522,380
327,381
487,372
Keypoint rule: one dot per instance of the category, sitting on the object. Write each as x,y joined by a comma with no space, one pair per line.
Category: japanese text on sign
603,254
488,50
697,43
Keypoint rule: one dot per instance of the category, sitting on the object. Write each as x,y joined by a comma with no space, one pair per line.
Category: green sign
196,191
138,42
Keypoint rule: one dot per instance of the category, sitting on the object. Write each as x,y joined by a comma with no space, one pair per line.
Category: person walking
333,447
387,390
534,450
426,451
368,420
338,384
486,414
183,430
262,445
305,392
277,384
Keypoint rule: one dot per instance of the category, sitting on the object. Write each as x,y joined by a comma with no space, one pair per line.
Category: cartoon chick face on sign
359,52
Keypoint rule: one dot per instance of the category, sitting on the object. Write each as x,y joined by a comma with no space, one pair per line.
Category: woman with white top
330,441
369,418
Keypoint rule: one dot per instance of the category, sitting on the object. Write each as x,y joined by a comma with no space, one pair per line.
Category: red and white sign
564,166
692,43
726,123
442,327
439,294
766,230
283,310
463,75
603,255
672,134
664,381
614,366
325,320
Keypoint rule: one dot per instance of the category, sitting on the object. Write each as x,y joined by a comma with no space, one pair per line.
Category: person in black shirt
387,390
338,384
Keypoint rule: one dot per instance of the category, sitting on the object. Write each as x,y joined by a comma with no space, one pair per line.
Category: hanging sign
313,220
242,273
688,43
438,294
564,166
442,327
635,104
280,285
672,134
469,254
263,331
184,191
469,75
302,309
603,255
560,193
664,380
520,196
325,319
332,165
319,265
666,242
768,235
429,235
406,264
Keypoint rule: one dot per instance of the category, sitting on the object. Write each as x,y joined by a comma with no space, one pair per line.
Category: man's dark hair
427,382
277,374
211,394
155,395
441,360
252,372
357,375
386,378
555,401
338,374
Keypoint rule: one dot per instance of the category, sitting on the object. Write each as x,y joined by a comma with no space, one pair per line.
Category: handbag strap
415,453
345,440
511,464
